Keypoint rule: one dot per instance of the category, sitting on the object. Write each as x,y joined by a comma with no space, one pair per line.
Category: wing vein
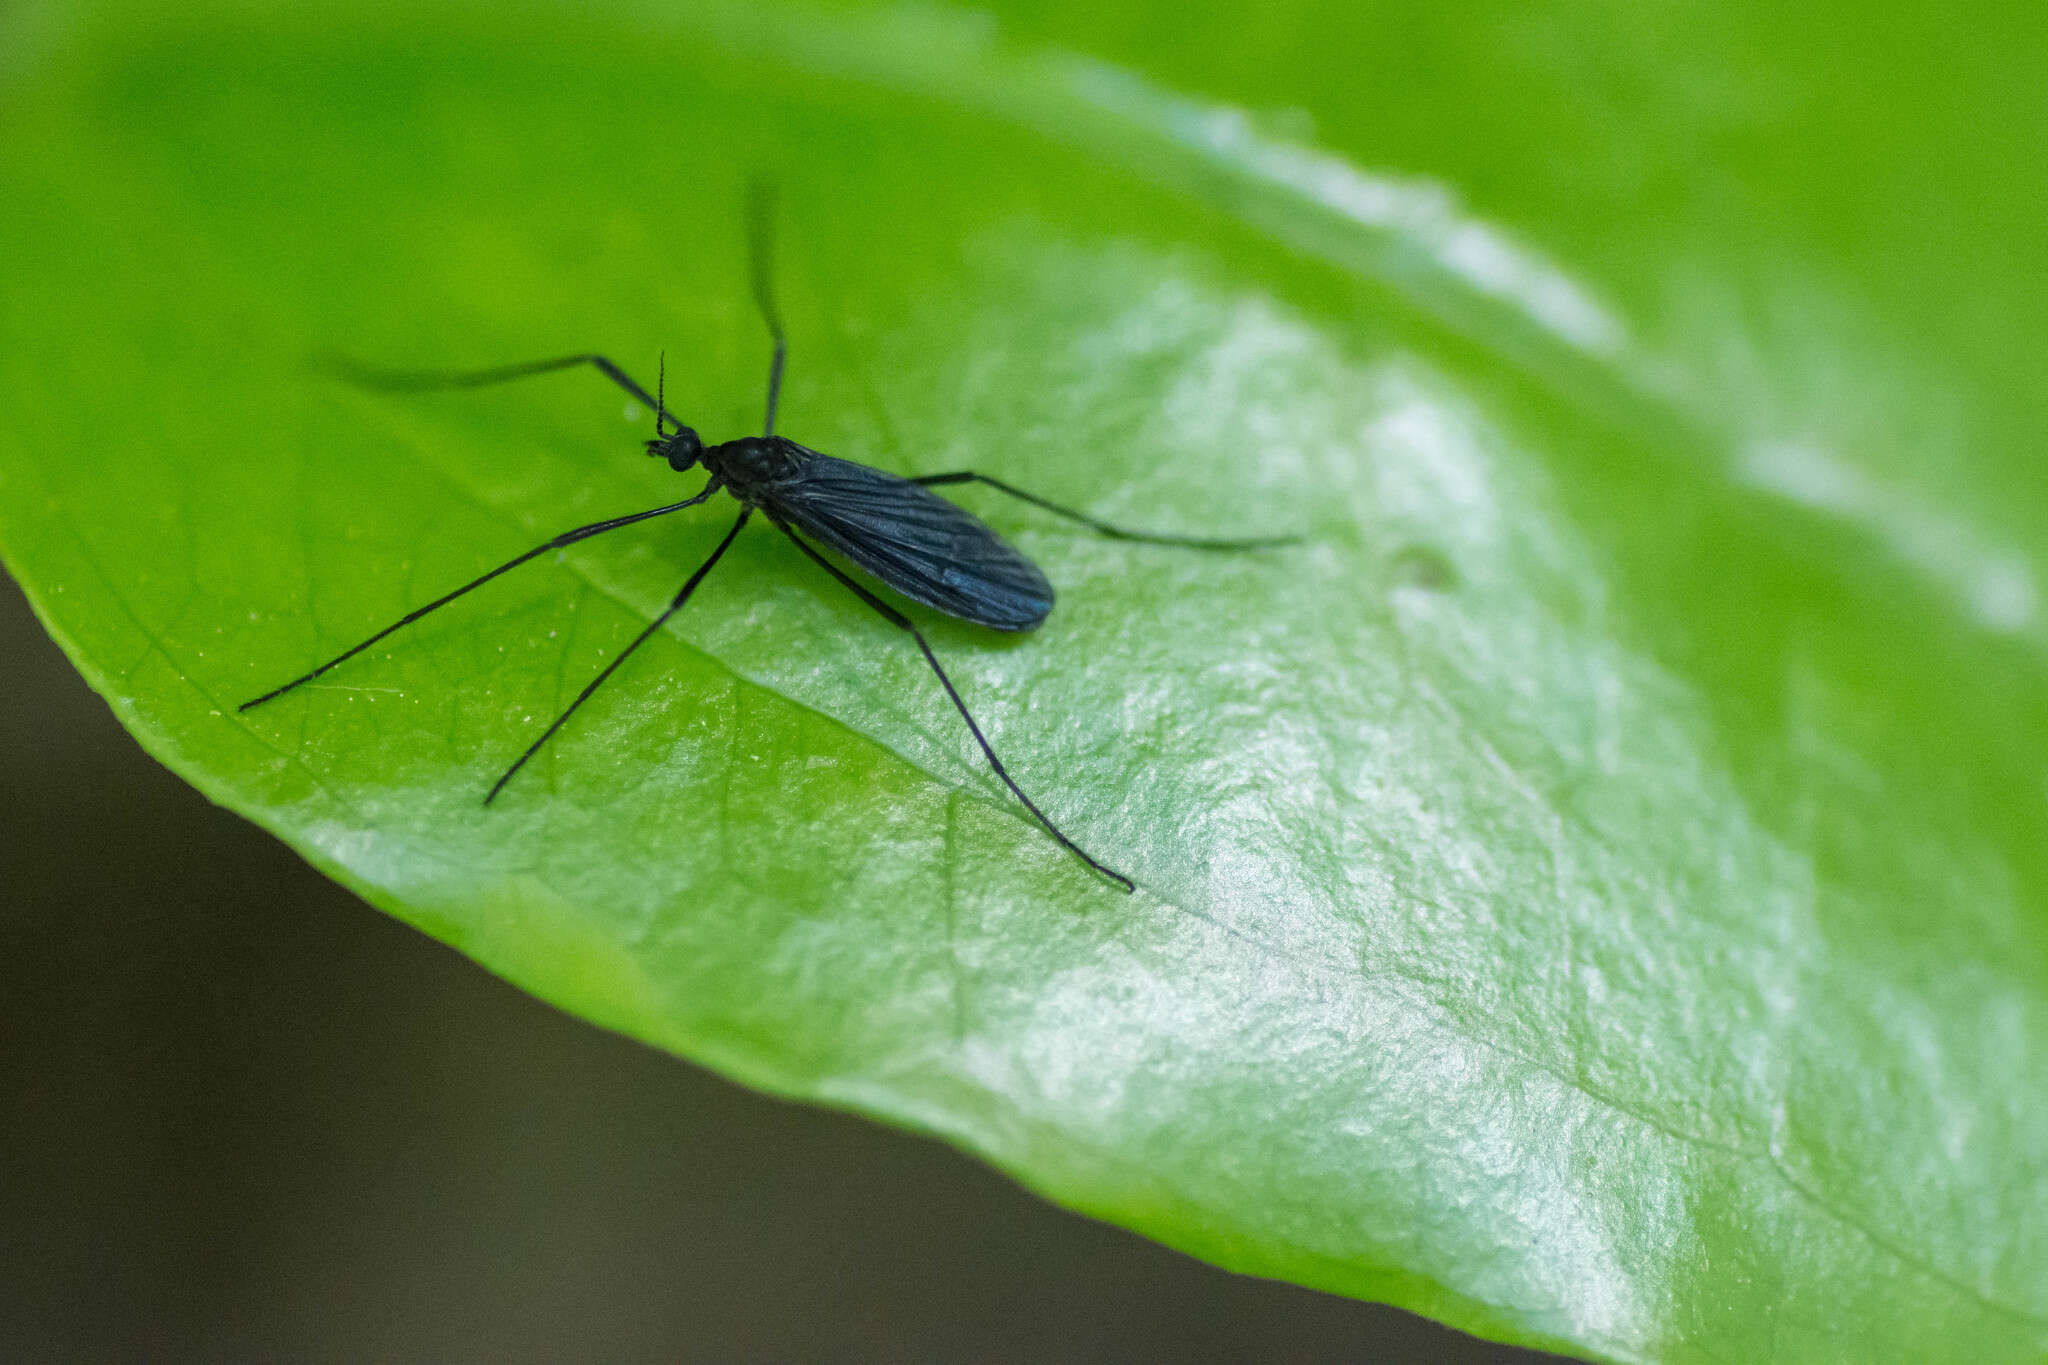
916,542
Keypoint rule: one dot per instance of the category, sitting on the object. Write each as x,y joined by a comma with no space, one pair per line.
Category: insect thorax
756,461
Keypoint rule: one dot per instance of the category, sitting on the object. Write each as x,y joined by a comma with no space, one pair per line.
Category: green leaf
1592,892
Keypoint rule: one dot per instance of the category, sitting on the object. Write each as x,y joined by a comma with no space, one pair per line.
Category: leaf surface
1591,891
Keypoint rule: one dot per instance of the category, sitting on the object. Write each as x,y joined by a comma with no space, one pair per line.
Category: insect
910,539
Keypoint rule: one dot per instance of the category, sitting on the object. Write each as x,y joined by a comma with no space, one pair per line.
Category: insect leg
761,251
902,622
423,381
564,539
1114,532
610,668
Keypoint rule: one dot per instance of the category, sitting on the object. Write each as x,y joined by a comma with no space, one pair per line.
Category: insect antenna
660,393
761,251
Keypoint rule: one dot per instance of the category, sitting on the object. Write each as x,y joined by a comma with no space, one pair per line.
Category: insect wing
915,541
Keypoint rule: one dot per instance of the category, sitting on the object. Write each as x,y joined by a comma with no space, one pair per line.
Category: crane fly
895,529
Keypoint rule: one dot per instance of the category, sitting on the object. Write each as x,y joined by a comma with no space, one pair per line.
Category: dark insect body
924,547
929,550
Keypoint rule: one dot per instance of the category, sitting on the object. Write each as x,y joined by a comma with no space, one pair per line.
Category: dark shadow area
243,1116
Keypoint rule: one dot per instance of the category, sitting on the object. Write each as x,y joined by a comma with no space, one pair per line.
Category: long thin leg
422,381
761,250
1114,532
902,622
610,668
566,538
